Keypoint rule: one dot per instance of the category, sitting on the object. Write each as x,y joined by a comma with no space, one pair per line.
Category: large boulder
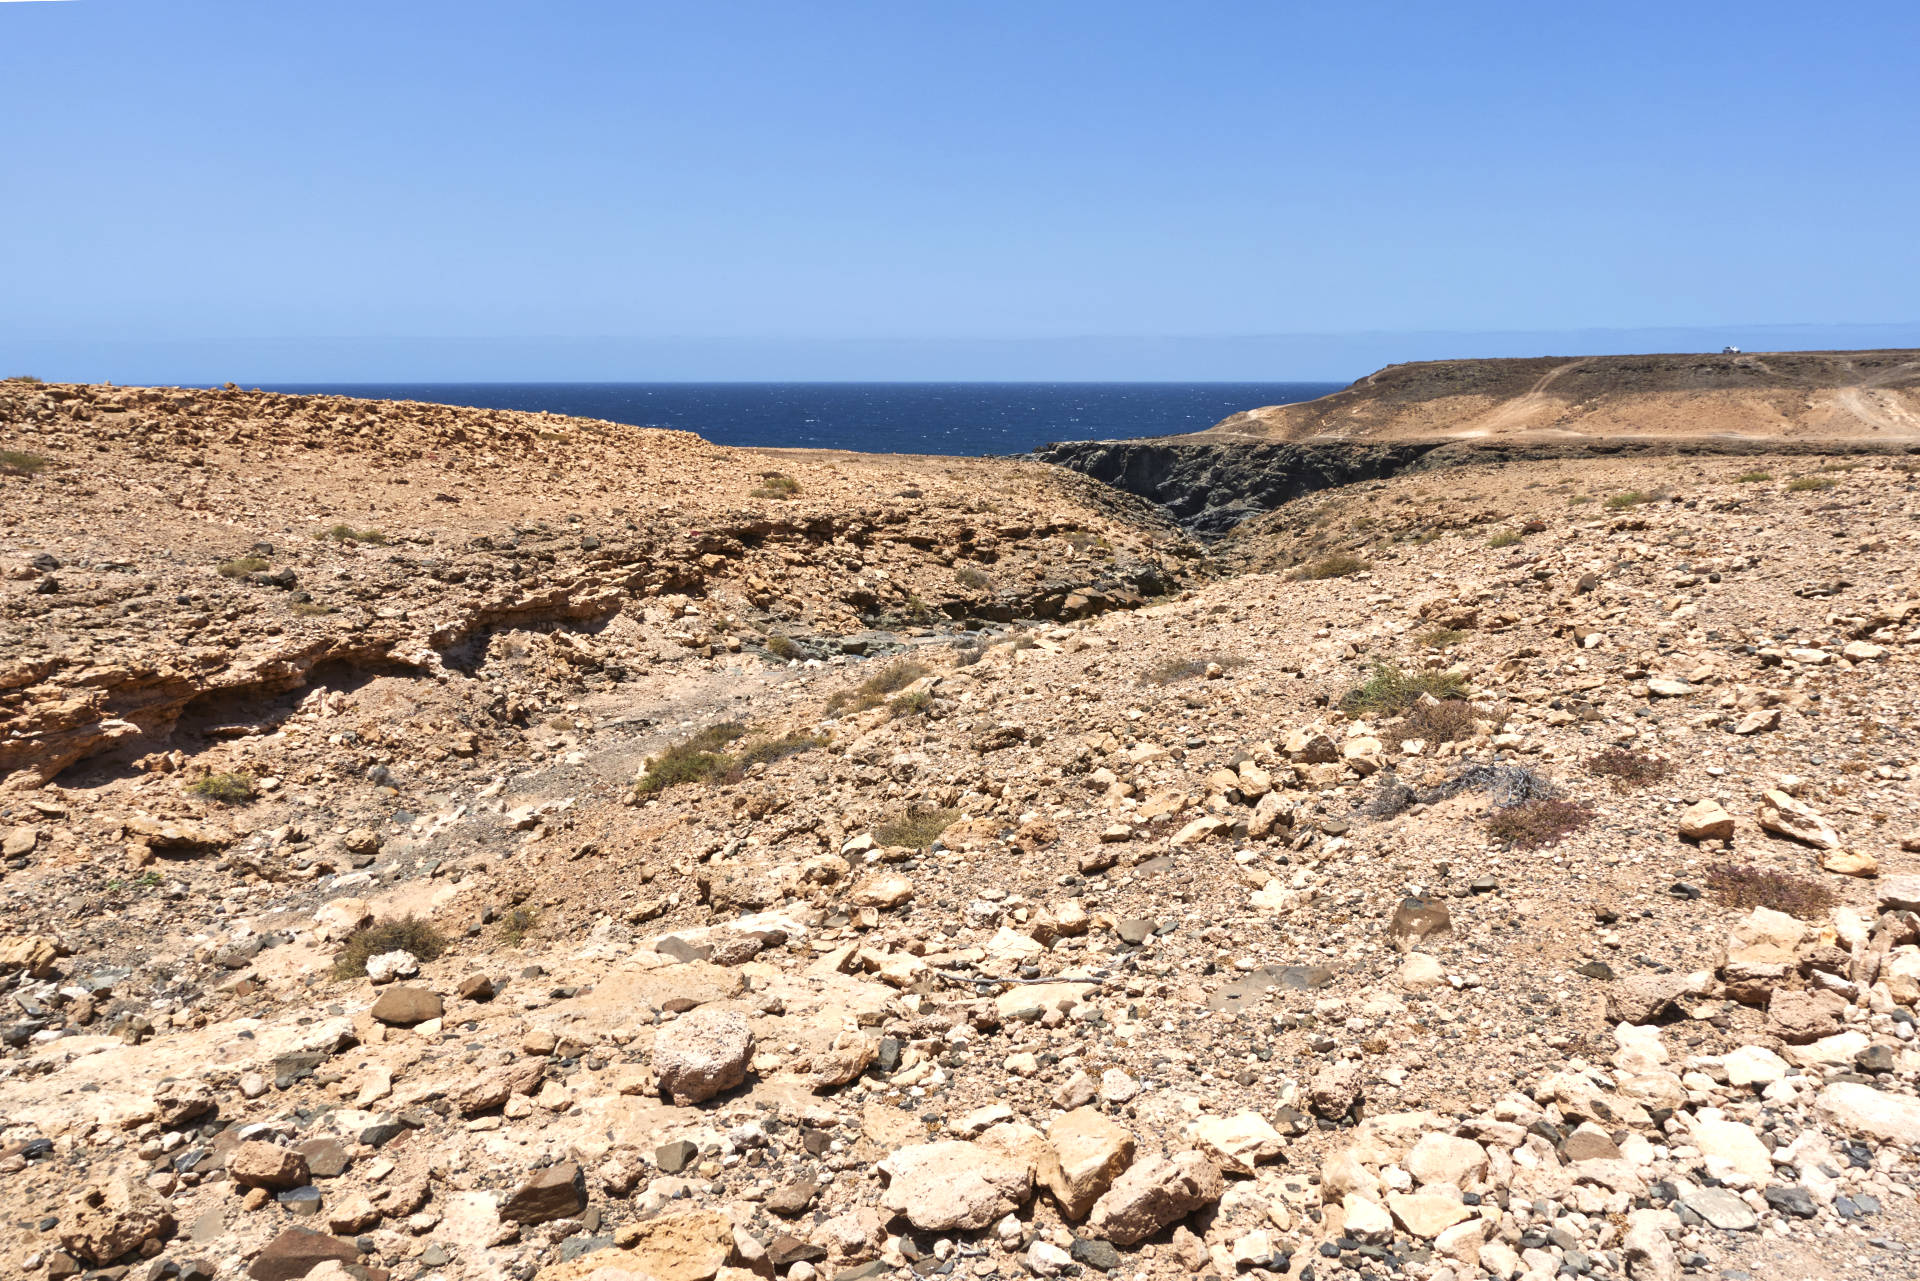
1782,815
1803,1017
296,1252
1087,1152
112,1219
1861,1109
701,1054
954,1185
1153,1194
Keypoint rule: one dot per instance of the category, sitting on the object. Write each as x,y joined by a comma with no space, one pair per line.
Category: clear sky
1044,188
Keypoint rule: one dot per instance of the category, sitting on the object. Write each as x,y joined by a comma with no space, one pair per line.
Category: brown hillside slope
1789,395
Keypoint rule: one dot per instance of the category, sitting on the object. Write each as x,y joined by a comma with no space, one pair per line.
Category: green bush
1339,565
972,576
244,565
15,462
1802,484
1441,637
782,646
698,759
1505,538
516,925
228,789
775,484
348,534
1631,498
770,750
1753,477
1391,689
875,690
915,828
407,934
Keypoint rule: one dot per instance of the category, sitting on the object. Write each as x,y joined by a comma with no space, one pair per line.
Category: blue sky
625,189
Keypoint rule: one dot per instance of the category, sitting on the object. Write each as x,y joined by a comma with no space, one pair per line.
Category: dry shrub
1744,886
1628,770
1445,720
1532,824
408,934
1174,670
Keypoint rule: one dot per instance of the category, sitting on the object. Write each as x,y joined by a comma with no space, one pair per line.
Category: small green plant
775,484
516,925
1532,824
1743,886
972,576
911,704
1840,466
1579,500
915,828
781,645
241,566
228,789
1441,638
29,379
1338,565
1631,498
17,462
311,609
1805,484
1627,770
876,689
1445,720
1753,477
1505,538
1391,689
348,534
698,759
407,934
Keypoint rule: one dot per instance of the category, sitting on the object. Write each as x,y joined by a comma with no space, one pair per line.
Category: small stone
404,1006
1706,821
1723,1209
256,1164
954,1185
298,1251
557,1192
676,1156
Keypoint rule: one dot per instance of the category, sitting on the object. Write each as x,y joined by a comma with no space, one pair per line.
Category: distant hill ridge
1782,395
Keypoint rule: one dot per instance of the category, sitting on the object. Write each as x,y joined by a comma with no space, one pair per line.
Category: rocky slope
1445,414
1507,873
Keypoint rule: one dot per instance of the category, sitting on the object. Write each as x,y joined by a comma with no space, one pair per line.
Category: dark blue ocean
881,418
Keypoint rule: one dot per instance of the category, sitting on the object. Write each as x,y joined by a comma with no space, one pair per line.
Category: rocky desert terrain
448,843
